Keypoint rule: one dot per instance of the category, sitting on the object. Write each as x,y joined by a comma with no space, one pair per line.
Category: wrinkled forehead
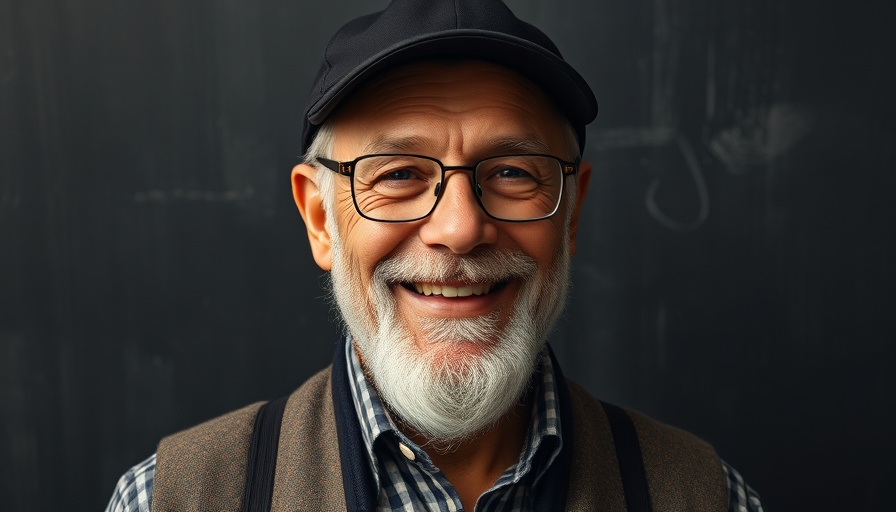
434,103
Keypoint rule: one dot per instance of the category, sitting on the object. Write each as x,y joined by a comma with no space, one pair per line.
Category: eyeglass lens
401,187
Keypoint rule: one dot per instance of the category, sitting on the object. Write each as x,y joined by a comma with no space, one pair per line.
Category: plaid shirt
409,481
412,483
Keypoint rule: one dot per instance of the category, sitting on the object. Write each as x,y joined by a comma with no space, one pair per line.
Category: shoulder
204,463
207,463
232,428
655,437
680,467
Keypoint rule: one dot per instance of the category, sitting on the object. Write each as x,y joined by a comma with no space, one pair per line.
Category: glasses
405,188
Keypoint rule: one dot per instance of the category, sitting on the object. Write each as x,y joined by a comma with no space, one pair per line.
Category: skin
458,112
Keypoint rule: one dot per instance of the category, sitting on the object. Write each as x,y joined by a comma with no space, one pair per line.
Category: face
449,312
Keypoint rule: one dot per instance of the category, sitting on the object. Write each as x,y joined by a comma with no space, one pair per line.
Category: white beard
446,397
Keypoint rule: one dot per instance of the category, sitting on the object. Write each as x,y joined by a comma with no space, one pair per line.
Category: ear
310,204
583,177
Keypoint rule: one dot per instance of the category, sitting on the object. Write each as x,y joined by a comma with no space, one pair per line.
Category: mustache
492,265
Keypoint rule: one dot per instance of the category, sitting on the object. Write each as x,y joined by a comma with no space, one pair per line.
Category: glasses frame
348,169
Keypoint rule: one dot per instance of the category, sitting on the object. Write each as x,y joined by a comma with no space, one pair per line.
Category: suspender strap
628,455
259,489
262,463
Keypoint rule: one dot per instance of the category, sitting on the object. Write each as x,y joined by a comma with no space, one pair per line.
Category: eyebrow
396,144
528,143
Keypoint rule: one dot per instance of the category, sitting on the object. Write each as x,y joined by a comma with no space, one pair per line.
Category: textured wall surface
734,276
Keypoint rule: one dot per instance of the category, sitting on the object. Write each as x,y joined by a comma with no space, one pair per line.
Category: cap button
406,451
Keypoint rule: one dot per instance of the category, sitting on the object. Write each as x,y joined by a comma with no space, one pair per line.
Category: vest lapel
592,474
308,475
322,462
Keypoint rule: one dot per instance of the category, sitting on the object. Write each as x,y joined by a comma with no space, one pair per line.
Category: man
441,188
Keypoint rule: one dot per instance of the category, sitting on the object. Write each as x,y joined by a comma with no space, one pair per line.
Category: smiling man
441,189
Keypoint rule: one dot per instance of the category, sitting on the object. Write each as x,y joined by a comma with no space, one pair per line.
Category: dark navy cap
414,30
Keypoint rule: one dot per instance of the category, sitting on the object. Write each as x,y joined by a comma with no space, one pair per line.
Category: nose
458,223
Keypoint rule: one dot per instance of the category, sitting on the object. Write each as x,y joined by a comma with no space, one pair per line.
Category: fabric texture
313,461
309,474
194,473
134,490
203,468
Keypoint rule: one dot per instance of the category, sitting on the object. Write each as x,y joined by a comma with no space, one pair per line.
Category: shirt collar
544,431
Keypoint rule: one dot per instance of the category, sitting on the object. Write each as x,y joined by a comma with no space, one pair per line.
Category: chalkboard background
735,273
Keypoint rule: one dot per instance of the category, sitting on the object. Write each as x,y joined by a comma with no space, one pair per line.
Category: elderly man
441,188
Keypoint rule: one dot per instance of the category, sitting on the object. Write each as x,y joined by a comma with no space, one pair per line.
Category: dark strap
262,462
631,463
358,482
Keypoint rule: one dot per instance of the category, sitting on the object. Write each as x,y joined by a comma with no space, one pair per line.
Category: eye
512,172
399,175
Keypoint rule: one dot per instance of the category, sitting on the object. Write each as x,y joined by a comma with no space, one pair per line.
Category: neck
472,466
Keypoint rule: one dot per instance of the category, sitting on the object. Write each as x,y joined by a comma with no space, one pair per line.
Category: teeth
452,291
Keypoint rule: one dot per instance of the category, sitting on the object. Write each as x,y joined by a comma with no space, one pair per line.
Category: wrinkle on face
436,95
474,362
457,112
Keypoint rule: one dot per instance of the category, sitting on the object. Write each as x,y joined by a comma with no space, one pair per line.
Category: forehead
467,108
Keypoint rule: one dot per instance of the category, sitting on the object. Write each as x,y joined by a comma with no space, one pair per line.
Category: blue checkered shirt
413,485
409,481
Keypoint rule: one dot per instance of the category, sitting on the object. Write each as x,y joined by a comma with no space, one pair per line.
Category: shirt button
406,451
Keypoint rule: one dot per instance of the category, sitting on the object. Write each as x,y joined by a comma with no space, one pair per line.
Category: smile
453,291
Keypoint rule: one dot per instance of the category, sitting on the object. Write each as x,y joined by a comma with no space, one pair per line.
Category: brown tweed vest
203,468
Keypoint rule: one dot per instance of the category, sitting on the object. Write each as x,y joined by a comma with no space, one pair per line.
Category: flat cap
414,30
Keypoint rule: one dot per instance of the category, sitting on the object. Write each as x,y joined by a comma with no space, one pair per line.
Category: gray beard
446,397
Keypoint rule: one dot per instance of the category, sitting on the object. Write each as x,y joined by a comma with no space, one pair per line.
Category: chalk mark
696,173
771,133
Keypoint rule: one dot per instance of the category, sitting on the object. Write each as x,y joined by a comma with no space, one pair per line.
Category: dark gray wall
735,271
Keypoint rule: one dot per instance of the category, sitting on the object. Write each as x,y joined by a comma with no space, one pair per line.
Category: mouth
464,290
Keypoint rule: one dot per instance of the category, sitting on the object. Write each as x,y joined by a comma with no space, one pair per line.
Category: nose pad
438,189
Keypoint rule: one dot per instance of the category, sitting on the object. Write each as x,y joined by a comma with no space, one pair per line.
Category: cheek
366,243
540,240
